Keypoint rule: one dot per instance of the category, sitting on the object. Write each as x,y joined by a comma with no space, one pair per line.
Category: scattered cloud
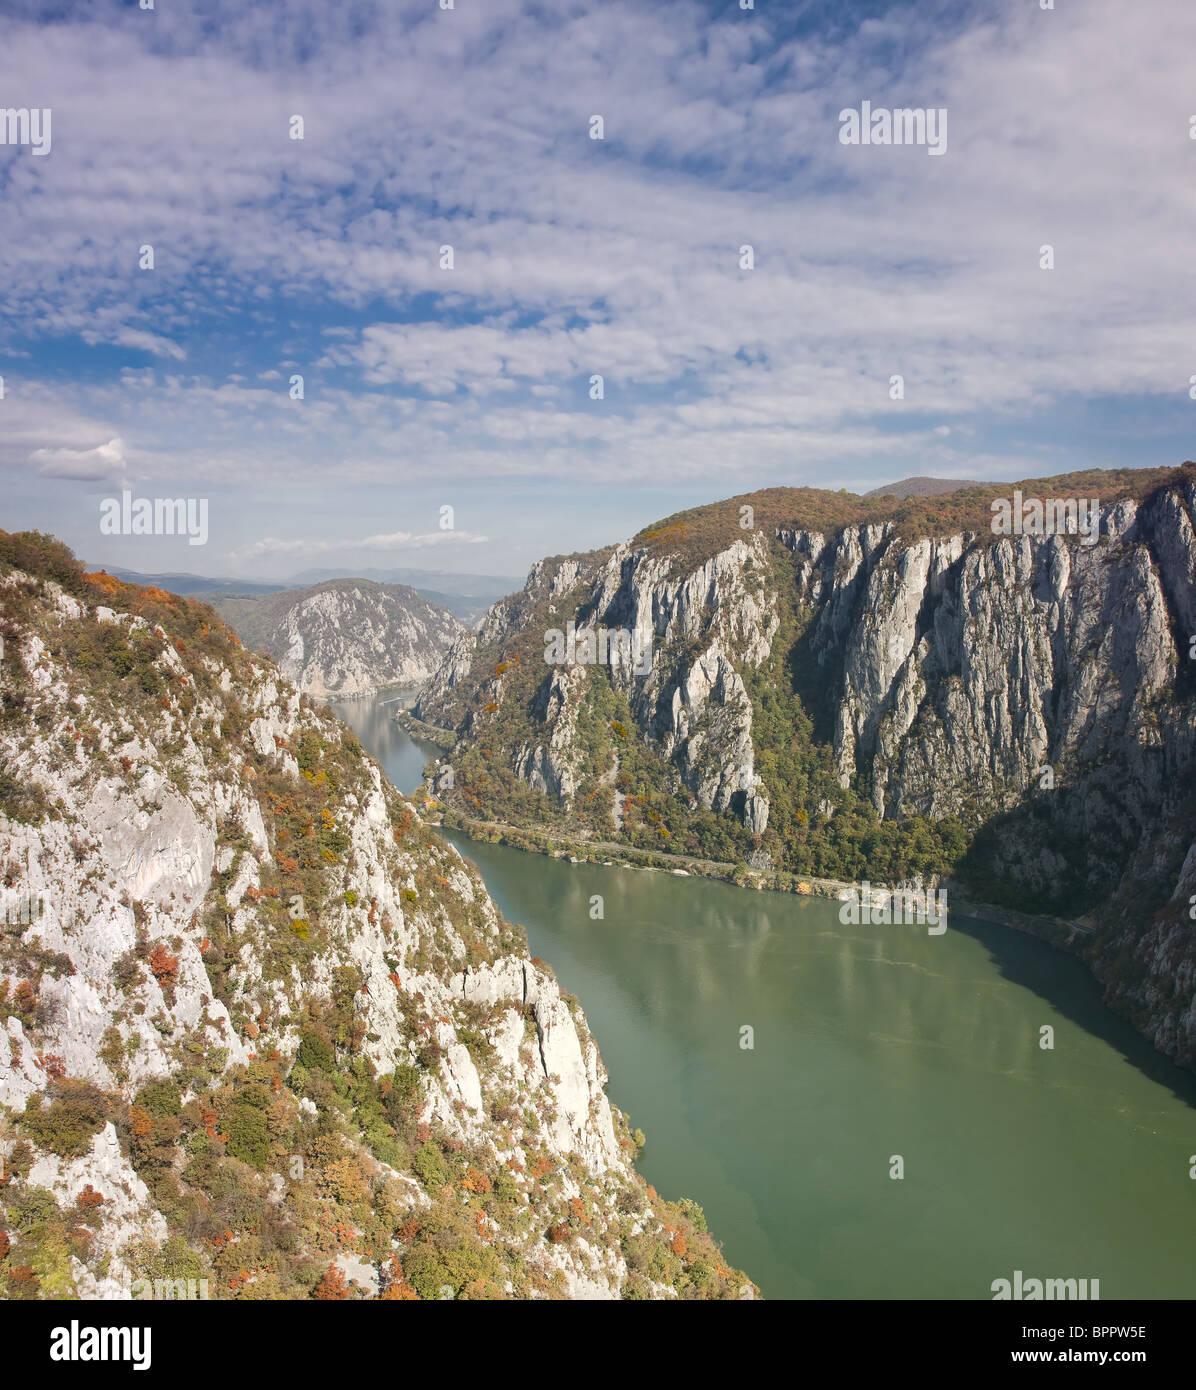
396,540
104,463
572,259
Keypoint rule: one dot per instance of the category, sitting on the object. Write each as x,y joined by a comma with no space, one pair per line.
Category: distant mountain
467,595
344,638
924,487
187,584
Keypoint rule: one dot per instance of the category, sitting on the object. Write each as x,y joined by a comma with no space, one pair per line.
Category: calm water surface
869,1042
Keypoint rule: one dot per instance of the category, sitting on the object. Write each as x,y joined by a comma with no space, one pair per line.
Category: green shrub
248,1135
404,1094
429,1167
316,1051
66,1126
175,1260
160,1098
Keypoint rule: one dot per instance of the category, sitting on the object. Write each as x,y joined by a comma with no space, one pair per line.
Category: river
868,1043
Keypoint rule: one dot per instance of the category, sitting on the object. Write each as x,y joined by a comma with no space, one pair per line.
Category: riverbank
1061,933
1055,931
444,739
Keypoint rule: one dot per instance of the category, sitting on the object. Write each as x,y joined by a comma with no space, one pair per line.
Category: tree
316,1051
141,1126
164,965
248,1135
333,1286
66,1126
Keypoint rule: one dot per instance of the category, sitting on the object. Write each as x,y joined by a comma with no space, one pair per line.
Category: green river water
869,1042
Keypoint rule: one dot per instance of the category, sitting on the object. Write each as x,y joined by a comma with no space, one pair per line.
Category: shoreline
444,739
1057,932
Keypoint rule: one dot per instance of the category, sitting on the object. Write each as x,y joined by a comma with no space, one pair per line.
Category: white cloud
395,540
104,462
575,257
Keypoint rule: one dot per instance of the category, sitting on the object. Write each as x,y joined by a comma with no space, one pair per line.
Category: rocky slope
347,637
260,1029
875,687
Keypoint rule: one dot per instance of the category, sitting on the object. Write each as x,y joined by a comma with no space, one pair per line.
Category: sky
472,387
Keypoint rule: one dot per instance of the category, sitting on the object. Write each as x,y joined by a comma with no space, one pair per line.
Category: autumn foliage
164,965
333,1286
400,1290
475,1181
141,1126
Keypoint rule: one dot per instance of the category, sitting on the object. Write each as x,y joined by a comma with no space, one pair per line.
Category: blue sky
426,387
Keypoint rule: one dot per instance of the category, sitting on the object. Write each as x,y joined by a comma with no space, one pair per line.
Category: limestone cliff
874,687
345,638
262,1028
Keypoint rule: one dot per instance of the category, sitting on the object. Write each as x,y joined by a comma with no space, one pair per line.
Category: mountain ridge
344,638
884,688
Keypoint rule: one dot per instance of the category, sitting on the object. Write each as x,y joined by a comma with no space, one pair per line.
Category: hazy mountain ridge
263,1028
924,487
344,638
466,596
852,687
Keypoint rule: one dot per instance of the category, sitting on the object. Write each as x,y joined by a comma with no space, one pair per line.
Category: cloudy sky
573,257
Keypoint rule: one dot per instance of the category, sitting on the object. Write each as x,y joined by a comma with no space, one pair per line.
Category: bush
175,1260
248,1135
316,1052
689,1208
332,1287
160,1098
429,1167
22,799
66,1126
164,965
402,1100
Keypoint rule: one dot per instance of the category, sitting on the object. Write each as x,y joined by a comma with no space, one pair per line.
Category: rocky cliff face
698,628
345,638
261,1027
893,694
